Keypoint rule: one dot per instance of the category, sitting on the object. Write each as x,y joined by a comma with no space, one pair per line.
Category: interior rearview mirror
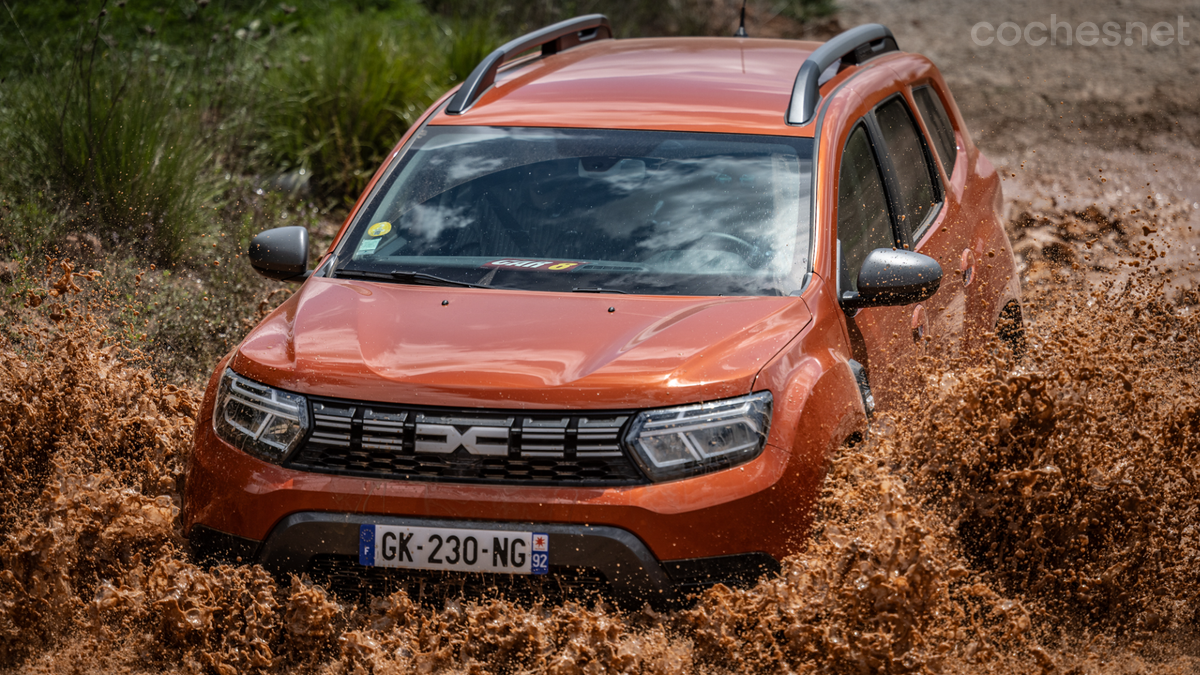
893,277
281,253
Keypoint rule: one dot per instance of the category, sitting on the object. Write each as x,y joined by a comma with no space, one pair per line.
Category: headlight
694,439
257,419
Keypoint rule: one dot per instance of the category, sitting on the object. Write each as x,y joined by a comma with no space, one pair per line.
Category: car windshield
665,213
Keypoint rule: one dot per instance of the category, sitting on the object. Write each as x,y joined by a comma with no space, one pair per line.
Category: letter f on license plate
440,548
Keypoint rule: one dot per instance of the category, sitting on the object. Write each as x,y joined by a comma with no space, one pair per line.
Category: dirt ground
1072,126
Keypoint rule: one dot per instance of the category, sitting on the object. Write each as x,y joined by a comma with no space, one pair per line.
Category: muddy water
1040,515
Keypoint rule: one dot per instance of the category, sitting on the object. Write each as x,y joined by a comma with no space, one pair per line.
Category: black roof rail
552,39
852,47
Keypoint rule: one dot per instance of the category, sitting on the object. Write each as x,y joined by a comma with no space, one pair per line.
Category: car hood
422,345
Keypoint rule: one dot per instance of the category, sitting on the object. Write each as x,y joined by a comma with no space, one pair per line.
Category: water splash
1033,516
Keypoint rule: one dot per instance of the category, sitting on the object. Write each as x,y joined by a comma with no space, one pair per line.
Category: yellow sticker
379,229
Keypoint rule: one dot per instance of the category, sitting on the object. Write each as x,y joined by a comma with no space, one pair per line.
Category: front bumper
313,542
763,505
655,540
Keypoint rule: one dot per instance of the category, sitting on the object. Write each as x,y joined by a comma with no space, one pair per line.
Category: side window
938,124
863,223
906,151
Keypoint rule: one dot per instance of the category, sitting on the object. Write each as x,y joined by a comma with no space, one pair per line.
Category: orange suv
604,316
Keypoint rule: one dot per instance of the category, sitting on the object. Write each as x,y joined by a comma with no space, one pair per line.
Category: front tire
1010,328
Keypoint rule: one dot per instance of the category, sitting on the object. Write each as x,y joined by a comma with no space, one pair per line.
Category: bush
470,41
109,143
341,98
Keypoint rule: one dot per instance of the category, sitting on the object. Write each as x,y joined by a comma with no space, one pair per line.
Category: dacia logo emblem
443,439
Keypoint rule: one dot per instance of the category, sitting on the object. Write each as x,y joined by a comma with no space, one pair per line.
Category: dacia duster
604,316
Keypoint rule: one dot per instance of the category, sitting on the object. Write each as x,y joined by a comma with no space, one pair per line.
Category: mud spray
1040,515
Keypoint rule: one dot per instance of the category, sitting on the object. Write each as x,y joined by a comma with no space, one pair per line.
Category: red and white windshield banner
523,264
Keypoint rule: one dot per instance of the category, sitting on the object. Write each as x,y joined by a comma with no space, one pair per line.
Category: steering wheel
727,242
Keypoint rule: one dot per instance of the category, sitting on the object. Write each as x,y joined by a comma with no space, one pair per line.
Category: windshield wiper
414,278
599,290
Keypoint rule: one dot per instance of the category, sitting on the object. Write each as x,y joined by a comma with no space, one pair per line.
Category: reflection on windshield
637,211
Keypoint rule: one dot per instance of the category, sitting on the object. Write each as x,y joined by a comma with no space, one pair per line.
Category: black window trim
878,149
823,104
891,189
884,158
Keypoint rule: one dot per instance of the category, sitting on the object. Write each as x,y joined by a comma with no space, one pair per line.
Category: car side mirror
893,277
281,253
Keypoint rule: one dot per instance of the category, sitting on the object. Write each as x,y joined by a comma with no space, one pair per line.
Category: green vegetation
150,145
341,98
116,149
630,18
150,139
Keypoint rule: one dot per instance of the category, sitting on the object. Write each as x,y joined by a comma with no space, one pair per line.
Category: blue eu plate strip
539,563
366,545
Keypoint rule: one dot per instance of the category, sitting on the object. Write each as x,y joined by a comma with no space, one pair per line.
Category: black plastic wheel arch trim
852,47
864,386
552,39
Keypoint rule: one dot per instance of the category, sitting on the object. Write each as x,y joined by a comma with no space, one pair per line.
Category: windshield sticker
379,229
367,246
547,265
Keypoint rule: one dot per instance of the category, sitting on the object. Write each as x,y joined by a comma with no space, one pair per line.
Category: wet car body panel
396,343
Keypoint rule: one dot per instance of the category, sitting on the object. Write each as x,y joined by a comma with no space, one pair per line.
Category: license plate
441,548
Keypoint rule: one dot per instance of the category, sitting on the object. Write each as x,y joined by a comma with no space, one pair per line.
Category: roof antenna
741,31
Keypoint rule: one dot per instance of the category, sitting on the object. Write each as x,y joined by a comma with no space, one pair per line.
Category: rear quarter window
938,124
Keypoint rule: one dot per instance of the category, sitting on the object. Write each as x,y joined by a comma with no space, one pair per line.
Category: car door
880,338
890,338
929,222
949,238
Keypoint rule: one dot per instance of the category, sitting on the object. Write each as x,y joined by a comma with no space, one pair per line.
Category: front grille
382,441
